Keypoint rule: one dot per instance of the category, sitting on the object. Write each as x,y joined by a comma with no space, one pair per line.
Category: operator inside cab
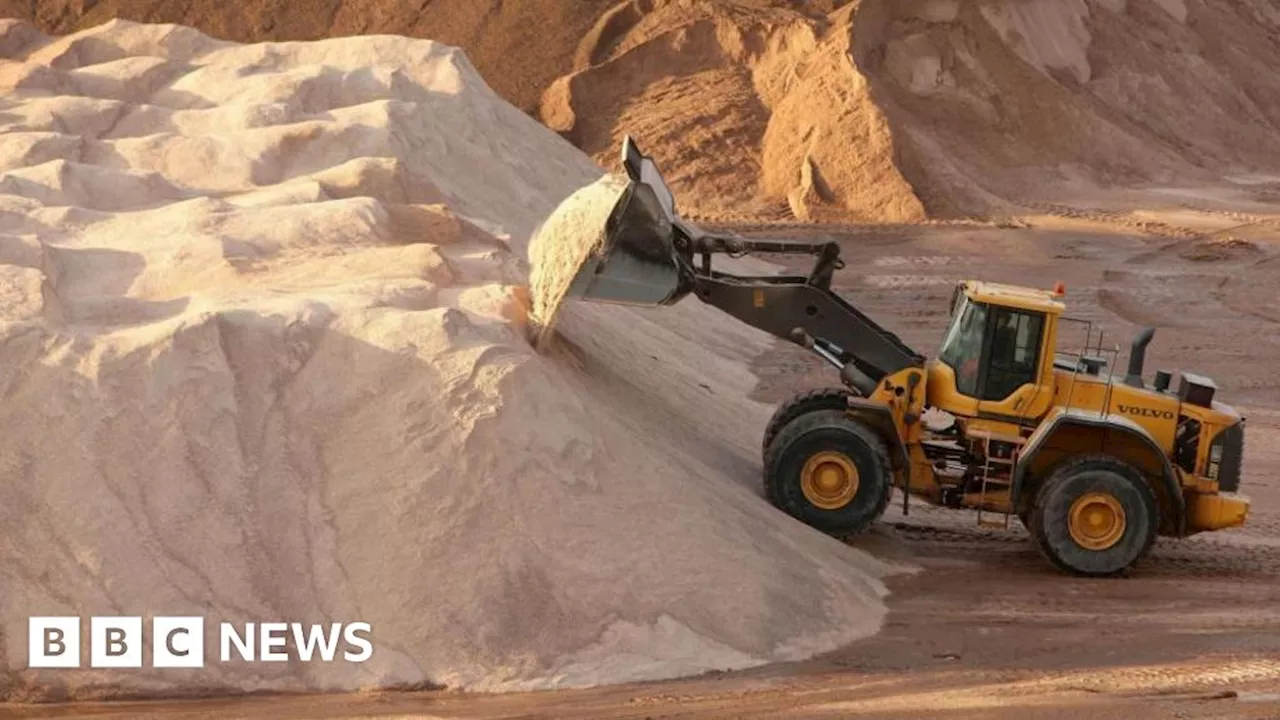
962,348
1011,355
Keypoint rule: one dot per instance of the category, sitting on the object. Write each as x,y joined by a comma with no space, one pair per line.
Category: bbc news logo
178,642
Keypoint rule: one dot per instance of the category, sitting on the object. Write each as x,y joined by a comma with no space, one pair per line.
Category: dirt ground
987,629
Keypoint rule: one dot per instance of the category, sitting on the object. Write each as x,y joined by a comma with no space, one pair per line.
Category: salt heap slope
262,359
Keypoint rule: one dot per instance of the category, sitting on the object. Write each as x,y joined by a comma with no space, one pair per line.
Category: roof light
1059,289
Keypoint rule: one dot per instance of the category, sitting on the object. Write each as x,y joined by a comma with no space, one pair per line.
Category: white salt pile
261,359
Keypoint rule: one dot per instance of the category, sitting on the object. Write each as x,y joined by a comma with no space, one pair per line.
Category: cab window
1014,354
962,345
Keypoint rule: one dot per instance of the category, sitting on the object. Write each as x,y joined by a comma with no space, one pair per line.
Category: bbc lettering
178,642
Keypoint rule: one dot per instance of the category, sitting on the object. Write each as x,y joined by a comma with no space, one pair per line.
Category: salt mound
751,110
262,356
1050,103
891,110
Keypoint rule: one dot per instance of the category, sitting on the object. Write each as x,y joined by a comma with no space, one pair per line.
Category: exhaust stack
1138,357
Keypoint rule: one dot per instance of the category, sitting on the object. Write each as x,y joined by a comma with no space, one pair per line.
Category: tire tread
802,404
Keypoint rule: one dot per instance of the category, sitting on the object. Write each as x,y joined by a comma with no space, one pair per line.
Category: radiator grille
1230,457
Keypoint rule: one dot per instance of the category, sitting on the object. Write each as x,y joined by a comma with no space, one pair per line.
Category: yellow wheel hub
1096,521
829,480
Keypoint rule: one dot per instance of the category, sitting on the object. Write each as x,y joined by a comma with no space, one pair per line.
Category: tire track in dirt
1198,557
1156,297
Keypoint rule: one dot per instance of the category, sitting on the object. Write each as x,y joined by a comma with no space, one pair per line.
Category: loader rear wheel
803,404
1094,515
829,471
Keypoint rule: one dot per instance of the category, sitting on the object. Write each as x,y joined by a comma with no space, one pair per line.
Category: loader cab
996,357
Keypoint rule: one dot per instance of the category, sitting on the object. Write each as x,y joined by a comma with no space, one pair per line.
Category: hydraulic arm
802,309
652,257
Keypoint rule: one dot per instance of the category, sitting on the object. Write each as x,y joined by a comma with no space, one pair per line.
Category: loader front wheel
829,471
1094,515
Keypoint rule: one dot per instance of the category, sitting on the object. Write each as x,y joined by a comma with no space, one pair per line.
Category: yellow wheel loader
1002,421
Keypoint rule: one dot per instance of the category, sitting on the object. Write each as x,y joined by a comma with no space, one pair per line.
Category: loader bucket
637,264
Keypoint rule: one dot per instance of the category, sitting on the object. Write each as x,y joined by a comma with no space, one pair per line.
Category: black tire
1050,516
803,404
829,430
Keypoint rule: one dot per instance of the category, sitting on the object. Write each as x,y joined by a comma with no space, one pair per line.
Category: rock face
262,359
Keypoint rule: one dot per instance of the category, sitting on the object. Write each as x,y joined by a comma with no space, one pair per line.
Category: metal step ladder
989,464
